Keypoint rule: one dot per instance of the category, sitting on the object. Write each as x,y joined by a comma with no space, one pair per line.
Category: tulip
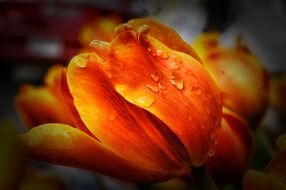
232,149
143,108
240,76
46,99
273,176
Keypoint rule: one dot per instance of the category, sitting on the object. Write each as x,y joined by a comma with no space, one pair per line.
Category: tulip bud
238,73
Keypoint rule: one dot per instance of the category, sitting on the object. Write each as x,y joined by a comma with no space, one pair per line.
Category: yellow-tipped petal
165,34
63,144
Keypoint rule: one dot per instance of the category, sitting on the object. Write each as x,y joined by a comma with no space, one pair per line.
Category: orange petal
232,150
56,81
258,180
125,128
171,85
240,76
63,144
206,42
164,34
38,105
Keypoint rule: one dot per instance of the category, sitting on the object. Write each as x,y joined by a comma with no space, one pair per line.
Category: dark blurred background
37,34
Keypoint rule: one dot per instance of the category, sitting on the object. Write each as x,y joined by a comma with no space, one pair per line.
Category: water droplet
197,90
174,66
80,62
178,60
162,54
145,101
177,82
211,151
161,86
155,77
153,88
193,79
152,51
189,117
128,45
111,117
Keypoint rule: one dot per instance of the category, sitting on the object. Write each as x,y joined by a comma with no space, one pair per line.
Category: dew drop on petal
111,117
177,82
189,117
178,60
145,101
193,79
155,77
211,151
197,90
153,88
152,51
162,54
174,66
161,86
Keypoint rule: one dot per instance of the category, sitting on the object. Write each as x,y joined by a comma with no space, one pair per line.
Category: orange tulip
273,176
232,150
45,99
241,78
143,108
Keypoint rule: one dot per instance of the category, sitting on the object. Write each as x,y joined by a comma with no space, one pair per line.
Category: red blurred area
41,31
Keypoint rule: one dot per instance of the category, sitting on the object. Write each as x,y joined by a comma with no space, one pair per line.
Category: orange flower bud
48,100
240,76
141,104
232,149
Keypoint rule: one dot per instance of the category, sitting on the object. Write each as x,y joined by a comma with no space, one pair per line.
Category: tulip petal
232,150
63,144
55,80
127,129
239,74
158,79
38,105
170,38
